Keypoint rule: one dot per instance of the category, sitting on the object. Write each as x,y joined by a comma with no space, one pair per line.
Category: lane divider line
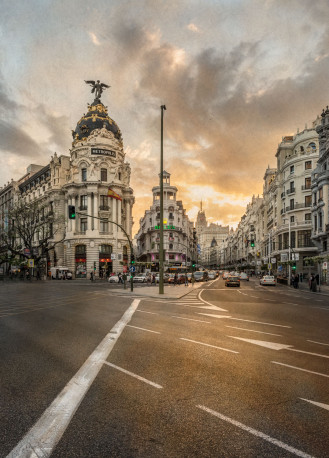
142,329
256,433
189,319
48,430
300,369
142,379
208,345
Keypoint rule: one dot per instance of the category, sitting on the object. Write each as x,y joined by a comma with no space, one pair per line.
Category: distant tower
201,221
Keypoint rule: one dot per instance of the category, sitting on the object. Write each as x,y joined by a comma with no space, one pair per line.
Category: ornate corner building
95,178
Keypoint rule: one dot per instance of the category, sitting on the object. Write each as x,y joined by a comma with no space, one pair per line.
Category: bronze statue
97,87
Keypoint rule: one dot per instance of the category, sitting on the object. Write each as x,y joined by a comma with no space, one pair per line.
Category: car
140,278
212,276
244,276
225,275
200,275
268,280
232,281
180,279
113,279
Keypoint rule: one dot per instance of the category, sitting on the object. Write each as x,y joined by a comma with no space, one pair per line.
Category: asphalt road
87,371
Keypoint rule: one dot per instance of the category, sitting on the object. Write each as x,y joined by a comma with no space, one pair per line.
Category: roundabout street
205,371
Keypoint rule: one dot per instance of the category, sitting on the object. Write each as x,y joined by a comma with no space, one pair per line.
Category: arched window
80,250
84,174
105,249
313,146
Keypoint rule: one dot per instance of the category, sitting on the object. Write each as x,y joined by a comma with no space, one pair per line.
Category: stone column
114,216
89,205
96,207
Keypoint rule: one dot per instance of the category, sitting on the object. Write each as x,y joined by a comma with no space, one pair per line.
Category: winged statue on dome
97,87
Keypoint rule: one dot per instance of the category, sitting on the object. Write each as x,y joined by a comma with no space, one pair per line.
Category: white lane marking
142,329
320,343
261,322
47,431
308,353
256,297
322,308
208,303
262,343
204,307
208,345
189,319
238,291
133,375
143,311
251,330
256,433
319,404
300,369
214,316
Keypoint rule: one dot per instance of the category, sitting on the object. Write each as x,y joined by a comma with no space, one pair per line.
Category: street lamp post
161,286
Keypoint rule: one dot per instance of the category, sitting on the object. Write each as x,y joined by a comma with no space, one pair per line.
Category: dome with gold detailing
96,118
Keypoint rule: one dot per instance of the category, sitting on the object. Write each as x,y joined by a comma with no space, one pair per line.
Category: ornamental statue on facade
97,87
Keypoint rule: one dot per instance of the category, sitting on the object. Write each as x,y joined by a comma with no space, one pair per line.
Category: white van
59,272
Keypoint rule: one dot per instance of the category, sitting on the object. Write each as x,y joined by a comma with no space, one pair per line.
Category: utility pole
161,286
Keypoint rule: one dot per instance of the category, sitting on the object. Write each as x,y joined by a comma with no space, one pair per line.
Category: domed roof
96,118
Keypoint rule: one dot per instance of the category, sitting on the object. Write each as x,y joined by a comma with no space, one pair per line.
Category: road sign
113,256
30,262
132,268
284,257
269,266
273,260
295,256
325,265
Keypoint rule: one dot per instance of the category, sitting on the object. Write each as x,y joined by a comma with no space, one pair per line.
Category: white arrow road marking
208,345
251,330
262,343
240,319
319,404
320,343
300,369
309,353
206,307
142,379
256,433
45,434
189,319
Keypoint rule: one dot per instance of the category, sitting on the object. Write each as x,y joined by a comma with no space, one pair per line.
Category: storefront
105,261
80,261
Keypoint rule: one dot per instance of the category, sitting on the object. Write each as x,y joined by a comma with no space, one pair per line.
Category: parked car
225,275
113,279
180,279
244,276
140,278
59,272
268,280
232,281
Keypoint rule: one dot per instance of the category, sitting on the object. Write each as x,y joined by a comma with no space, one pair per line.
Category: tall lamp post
161,286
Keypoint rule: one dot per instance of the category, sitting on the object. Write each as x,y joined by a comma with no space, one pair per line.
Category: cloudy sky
235,75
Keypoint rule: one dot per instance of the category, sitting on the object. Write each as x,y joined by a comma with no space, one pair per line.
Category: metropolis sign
103,152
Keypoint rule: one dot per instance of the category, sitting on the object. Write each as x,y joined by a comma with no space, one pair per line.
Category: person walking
296,281
186,279
175,279
91,276
192,279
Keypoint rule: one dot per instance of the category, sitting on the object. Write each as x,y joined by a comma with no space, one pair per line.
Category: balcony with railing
306,187
291,191
83,208
283,195
104,207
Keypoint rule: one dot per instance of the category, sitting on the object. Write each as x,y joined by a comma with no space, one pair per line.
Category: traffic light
94,265
193,263
132,259
252,243
294,267
71,212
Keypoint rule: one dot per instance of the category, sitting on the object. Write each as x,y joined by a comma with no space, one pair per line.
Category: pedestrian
186,279
296,281
175,279
91,276
153,278
124,277
38,274
317,279
192,279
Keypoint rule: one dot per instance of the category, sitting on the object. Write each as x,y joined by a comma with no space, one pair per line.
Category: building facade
179,237
95,178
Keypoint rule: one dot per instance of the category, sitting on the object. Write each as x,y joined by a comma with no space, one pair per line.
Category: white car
140,278
267,280
244,276
113,279
212,276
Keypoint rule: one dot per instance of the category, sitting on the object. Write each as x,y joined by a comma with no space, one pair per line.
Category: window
80,249
292,169
119,176
293,239
103,174
171,246
302,149
320,221
308,201
308,216
308,165
312,146
315,223
171,216
105,249
83,224
308,183
103,226
83,174
292,204
83,202
103,203
320,194
292,219
304,239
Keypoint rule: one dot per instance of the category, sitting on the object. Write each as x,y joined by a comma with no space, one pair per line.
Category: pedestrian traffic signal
71,212
252,243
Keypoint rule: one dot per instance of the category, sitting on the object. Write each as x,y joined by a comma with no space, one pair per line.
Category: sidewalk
303,286
170,291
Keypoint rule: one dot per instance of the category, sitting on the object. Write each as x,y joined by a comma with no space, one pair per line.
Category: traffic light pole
161,285
123,230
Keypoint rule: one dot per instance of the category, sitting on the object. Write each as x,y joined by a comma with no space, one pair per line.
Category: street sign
259,263
295,257
132,268
113,256
30,262
269,266
273,260
325,265
284,257
27,252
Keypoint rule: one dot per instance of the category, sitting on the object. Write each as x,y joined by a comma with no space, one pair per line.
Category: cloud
193,28
94,38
